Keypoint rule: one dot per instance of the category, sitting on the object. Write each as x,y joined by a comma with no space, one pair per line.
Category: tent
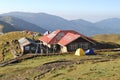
47,32
79,52
90,52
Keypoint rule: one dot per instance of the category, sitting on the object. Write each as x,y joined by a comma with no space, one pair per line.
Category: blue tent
90,52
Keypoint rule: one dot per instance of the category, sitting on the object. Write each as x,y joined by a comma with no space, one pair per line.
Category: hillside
6,42
64,67
6,27
21,24
89,27
59,67
110,25
115,38
12,36
52,22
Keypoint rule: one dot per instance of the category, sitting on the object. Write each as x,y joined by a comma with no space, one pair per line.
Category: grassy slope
99,71
115,38
86,71
29,64
12,36
8,37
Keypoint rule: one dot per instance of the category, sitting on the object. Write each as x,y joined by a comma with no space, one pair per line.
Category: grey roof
1,32
25,41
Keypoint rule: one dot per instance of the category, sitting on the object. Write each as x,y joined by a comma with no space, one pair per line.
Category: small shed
28,45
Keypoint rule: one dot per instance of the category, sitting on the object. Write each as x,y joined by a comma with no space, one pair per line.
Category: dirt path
47,67
24,57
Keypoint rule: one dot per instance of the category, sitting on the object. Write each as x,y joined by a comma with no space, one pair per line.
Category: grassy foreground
89,69
107,66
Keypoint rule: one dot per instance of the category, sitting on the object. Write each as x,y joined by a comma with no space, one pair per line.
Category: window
27,47
33,48
83,45
86,45
75,46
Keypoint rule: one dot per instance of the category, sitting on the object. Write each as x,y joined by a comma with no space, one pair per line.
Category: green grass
31,63
5,49
109,70
88,70
114,38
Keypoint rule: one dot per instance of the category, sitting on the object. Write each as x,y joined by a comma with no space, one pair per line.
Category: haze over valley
41,22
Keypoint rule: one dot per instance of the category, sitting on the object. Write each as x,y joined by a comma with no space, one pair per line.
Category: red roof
63,37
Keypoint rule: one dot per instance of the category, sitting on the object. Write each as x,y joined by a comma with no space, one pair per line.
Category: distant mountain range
41,22
6,27
20,24
111,25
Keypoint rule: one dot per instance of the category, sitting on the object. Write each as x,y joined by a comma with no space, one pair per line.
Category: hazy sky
91,10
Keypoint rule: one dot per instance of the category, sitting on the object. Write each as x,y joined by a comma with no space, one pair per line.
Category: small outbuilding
28,45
